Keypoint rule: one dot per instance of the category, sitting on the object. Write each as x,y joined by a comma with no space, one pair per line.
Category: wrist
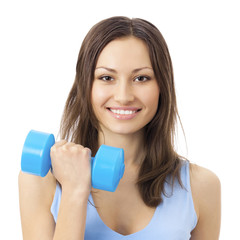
75,193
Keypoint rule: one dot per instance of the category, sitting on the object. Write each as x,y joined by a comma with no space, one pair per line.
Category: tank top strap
185,175
56,202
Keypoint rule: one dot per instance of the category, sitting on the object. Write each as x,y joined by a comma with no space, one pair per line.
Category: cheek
98,97
151,98
94,98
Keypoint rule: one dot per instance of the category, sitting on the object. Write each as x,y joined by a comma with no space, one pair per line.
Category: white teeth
122,112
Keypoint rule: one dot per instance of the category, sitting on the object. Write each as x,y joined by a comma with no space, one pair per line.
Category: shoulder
200,176
206,192
35,198
203,180
205,185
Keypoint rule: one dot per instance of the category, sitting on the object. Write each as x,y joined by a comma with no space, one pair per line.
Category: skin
123,211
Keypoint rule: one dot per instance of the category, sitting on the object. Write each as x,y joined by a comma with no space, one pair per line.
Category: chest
124,213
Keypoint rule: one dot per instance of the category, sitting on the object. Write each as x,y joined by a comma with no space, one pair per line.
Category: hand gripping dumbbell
107,166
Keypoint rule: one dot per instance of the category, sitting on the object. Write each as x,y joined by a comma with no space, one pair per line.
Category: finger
88,151
57,145
70,144
60,143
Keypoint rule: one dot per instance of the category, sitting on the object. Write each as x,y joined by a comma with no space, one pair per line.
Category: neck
132,145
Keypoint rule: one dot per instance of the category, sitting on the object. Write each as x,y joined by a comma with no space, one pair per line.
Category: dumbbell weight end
36,153
107,168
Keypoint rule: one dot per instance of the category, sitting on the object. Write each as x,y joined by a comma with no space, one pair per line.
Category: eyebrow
134,71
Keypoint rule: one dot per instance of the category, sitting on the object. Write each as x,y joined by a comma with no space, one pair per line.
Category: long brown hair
79,124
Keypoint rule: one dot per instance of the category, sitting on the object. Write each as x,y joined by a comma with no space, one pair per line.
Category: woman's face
125,92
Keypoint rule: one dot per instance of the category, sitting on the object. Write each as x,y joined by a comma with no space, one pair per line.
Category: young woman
123,96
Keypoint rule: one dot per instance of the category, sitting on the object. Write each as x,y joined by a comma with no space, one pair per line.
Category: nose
124,93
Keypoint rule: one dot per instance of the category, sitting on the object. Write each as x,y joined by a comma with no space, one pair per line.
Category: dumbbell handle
106,172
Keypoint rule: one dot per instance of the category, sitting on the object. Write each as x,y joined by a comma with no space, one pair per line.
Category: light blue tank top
174,218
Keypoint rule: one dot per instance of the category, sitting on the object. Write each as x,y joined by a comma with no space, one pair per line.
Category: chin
125,131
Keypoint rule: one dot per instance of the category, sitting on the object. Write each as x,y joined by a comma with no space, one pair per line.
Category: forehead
122,53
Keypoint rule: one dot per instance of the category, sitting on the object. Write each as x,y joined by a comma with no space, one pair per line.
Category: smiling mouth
125,114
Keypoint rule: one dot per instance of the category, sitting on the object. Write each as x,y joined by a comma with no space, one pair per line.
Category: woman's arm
71,216
35,198
71,167
206,191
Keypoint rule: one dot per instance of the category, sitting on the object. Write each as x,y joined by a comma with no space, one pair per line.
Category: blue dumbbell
107,166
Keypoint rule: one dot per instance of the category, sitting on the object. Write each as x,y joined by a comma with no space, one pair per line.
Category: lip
125,108
124,116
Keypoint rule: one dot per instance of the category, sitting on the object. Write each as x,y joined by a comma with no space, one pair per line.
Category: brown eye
142,79
106,78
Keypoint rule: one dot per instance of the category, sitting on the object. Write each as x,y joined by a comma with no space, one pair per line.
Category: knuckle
64,148
87,150
78,147
52,149
61,142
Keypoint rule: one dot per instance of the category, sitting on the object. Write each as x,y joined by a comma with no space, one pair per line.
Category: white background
39,44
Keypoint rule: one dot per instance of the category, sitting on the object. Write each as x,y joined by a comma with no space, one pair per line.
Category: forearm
71,216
